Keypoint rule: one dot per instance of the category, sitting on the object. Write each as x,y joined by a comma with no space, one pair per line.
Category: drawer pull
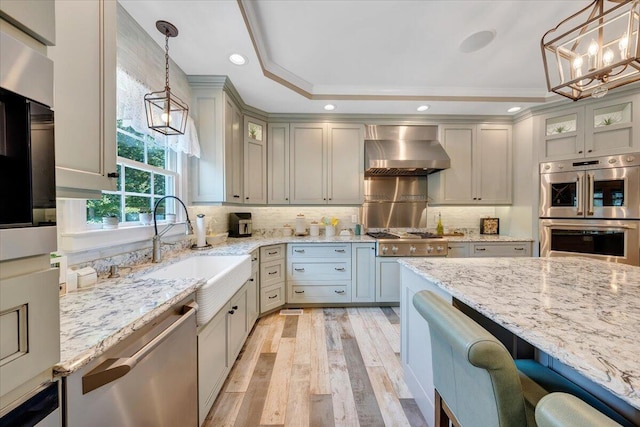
299,269
339,268
339,292
272,253
519,249
274,296
300,251
254,259
271,273
299,292
481,249
340,251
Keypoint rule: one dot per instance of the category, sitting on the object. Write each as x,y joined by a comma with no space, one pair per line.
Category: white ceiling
398,54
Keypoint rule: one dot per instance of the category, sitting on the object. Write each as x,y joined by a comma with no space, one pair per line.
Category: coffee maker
240,224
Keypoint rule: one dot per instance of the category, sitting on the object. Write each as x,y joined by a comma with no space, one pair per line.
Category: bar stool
476,380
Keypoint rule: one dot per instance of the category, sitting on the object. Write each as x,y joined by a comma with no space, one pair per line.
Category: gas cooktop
409,244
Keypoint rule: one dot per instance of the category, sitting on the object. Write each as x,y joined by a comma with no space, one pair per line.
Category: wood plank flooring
326,367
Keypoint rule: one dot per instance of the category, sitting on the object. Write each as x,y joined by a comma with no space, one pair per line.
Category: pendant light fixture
166,113
593,50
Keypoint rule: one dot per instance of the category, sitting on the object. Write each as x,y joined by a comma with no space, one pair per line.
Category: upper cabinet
34,17
481,166
85,96
255,161
600,128
232,163
316,163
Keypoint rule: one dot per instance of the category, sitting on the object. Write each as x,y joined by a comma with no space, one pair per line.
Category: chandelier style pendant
594,50
166,113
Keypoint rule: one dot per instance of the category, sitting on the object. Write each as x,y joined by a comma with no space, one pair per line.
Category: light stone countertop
93,320
583,312
486,238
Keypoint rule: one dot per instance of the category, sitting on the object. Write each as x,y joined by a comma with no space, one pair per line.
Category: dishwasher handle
112,369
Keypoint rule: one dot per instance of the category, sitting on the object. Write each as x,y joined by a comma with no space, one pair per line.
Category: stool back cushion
473,372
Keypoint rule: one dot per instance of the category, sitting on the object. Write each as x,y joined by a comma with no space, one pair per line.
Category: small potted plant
145,216
110,221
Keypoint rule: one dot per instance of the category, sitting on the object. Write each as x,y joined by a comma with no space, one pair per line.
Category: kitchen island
581,312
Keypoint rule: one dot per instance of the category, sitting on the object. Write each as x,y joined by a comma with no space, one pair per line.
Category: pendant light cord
166,60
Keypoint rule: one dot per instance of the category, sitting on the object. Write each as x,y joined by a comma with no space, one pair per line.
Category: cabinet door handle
235,196
340,251
231,311
481,249
271,273
450,248
299,251
235,307
299,269
339,268
251,280
580,152
274,296
272,253
286,198
299,292
246,198
113,175
339,292
519,249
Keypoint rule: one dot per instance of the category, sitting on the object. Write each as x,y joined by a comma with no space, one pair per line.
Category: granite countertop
93,320
583,312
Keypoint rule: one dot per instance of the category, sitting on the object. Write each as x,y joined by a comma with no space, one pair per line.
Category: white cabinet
506,249
363,272
387,280
599,128
255,161
316,163
219,343
319,273
272,277
278,163
481,166
85,95
458,250
253,291
34,17
212,361
233,152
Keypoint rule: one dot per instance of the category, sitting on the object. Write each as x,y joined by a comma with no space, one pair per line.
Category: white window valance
131,110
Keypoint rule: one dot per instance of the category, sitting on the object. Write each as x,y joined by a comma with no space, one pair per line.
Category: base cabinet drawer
500,250
271,272
271,297
314,293
320,270
320,250
273,252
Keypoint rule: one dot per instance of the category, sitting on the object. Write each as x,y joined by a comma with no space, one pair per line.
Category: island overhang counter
581,312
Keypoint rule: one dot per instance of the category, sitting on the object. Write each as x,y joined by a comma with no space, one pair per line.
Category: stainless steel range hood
403,150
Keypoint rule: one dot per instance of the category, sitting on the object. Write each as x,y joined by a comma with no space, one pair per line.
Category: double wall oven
591,207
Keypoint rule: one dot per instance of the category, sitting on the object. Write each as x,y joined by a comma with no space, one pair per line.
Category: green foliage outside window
143,183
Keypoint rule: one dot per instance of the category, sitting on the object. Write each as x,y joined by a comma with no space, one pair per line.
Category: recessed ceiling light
423,108
329,107
477,41
514,109
237,59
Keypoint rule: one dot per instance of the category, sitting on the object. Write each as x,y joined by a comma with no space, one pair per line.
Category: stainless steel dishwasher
149,379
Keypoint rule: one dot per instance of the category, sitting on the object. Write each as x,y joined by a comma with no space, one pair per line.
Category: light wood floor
326,367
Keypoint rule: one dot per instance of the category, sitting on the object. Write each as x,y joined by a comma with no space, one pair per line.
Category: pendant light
594,50
166,113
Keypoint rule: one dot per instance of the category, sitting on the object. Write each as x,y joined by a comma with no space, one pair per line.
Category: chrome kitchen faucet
157,244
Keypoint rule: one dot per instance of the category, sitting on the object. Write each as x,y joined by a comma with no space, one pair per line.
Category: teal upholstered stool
565,410
476,380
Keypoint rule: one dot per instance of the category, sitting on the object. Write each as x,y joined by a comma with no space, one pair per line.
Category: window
147,172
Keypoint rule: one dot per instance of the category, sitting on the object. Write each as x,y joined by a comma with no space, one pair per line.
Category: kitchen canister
287,230
314,229
201,232
301,225
330,230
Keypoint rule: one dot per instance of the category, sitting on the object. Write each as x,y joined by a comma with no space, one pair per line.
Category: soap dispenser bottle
439,227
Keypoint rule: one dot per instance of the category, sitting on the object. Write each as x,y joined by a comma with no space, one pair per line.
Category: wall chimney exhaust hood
403,150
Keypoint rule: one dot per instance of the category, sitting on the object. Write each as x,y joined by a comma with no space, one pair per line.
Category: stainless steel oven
608,240
602,187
